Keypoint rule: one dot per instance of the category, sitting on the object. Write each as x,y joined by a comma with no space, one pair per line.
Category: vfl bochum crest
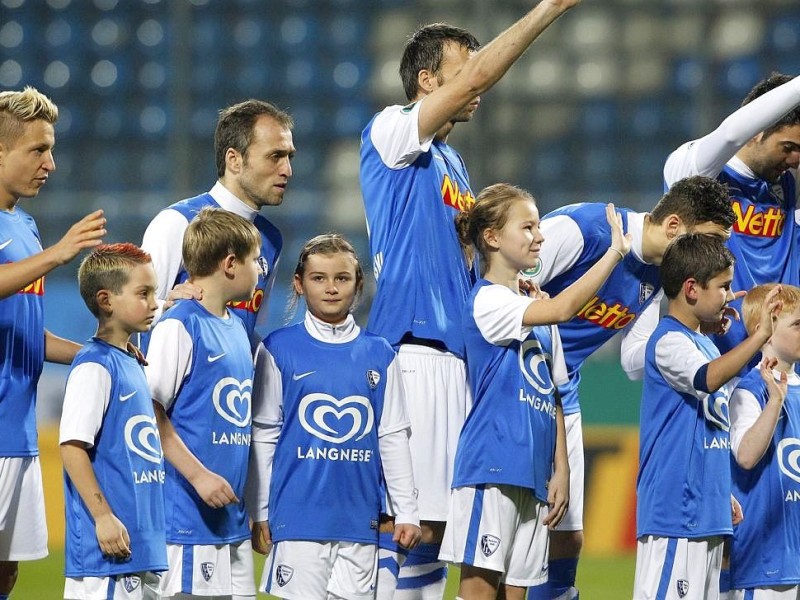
373,378
130,583
283,574
207,570
645,291
682,586
489,544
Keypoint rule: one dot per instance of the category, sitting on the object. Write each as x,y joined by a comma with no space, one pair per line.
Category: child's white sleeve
163,240
498,313
395,135
634,339
169,359
744,412
681,363
267,421
393,434
560,374
85,402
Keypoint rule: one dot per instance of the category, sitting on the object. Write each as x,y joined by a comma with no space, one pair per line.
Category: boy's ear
297,284
673,226
103,298
228,265
690,289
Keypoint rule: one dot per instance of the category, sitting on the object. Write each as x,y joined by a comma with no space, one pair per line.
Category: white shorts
209,570
573,519
136,586
498,528
677,568
438,402
778,592
23,525
305,569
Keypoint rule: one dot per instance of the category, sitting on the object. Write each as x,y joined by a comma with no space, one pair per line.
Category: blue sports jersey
766,545
327,459
684,483
509,436
626,293
128,463
422,275
212,415
21,340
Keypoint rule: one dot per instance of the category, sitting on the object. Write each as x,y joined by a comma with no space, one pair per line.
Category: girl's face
329,286
519,241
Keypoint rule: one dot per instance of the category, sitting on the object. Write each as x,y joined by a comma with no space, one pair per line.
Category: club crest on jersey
207,570
533,362
534,270
489,544
682,587
645,291
141,437
373,378
283,574
335,420
789,458
130,583
232,400
263,266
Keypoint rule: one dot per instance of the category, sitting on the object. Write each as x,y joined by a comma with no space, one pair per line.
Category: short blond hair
108,267
754,300
18,108
214,234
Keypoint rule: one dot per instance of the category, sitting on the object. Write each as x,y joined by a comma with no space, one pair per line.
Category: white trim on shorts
677,568
216,570
573,519
310,569
498,527
133,586
778,592
438,401
23,524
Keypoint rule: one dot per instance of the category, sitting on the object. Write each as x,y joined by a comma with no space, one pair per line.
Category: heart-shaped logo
533,362
141,436
789,457
232,400
335,420
715,407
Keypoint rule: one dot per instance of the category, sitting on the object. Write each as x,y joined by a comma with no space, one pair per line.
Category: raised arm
487,66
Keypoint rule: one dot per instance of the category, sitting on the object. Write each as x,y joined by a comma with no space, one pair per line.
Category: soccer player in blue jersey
627,303
27,138
765,433
756,152
683,510
200,374
115,541
253,150
511,478
329,424
413,183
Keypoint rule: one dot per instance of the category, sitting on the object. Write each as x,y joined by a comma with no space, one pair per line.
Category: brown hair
108,267
214,234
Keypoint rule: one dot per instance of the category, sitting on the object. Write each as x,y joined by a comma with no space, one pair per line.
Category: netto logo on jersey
232,400
283,574
766,223
141,436
489,544
251,305
454,197
789,458
36,288
533,363
609,316
715,408
334,420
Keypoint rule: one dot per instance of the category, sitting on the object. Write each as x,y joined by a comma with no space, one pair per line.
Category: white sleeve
169,359
634,339
85,402
259,471
744,412
678,361
498,313
560,375
563,244
267,390
395,135
709,154
163,240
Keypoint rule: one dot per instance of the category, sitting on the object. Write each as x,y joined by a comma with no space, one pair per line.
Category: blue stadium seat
688,76
785,33
738,76
600,120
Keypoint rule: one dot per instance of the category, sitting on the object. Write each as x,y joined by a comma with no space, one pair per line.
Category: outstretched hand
729,314
86,233
776,389
532,290
620,241
770,309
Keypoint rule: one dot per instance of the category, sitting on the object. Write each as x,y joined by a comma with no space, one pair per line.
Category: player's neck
783,365
654,242
216,294
682,312
112,332
441,135
8,202
503,275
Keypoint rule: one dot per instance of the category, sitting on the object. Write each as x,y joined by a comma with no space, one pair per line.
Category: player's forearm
399,476
259,475
18,275
561,459
758,438
174,448
58,349
721,370
81,474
